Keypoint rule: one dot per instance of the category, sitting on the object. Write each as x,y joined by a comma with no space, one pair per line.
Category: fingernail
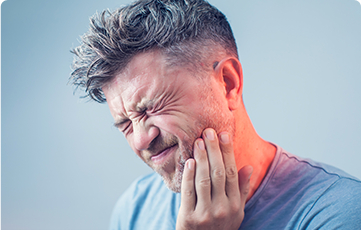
190,164
224,138
210,134
200,144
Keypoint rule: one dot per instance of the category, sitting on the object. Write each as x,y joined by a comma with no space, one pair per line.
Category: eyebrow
143,106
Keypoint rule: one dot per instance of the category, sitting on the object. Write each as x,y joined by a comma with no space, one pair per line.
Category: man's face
162,109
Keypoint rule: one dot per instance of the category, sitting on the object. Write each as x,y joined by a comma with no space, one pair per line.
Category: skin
194,132
213,194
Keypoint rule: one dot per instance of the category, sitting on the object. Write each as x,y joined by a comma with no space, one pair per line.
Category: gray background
64,165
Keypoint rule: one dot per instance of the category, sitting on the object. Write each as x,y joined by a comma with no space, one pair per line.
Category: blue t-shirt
295,194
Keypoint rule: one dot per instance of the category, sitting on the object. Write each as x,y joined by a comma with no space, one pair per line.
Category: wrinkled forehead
159,65
144,69
147,77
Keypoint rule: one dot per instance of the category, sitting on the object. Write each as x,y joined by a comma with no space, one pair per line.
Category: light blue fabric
295,194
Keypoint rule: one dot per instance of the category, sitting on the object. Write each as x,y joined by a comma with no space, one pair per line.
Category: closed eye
123,125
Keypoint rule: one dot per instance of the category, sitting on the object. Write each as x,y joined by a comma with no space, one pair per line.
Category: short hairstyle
179,28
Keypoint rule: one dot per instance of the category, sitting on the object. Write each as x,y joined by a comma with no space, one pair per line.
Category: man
170,74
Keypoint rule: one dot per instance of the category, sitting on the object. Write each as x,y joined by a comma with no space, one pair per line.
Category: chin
174,182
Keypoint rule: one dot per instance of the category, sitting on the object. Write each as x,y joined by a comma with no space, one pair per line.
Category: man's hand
213,194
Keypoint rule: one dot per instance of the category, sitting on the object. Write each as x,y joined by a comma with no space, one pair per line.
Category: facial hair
214,119
183,152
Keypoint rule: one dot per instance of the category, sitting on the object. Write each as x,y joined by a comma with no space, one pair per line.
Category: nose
143,135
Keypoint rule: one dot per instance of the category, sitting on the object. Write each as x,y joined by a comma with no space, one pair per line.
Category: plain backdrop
63,163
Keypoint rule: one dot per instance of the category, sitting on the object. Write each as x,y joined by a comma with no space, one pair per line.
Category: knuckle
245,191
231,171
220,214
218,173
190,220
187,222
205,182
235,207
205,219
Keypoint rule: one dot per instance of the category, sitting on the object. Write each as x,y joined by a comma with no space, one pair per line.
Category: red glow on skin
151,99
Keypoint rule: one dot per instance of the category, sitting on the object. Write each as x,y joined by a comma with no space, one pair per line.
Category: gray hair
179,28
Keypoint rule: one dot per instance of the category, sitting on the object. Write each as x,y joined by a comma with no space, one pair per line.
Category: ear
229,74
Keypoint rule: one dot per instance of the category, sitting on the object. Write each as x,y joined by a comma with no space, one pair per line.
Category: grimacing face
162,109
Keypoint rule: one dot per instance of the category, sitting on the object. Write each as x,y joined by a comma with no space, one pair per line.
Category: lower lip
163,156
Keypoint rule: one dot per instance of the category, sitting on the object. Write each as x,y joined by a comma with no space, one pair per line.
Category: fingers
202,177
216,172
213,193
188,195
231,186
217,169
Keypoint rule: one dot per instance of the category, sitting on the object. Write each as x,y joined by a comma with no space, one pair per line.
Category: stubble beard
219,123
212,117
173,182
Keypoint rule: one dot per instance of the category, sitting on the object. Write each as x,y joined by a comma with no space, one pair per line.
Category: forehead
144,71
147,77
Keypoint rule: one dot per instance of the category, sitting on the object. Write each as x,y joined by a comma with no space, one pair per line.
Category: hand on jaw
213,194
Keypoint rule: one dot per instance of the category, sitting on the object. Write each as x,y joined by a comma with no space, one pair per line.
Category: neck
251,149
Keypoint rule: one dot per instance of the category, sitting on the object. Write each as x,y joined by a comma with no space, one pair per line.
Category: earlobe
229,73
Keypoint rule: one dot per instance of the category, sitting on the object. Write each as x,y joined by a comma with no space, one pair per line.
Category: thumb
244,176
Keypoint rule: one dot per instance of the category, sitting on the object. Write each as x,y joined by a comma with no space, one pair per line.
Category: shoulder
311,173
327,179
339,206
322,168
334,199
142,203
140,189
142,186
128,201
299,193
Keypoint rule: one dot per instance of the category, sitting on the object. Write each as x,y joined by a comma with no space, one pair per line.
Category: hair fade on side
177,27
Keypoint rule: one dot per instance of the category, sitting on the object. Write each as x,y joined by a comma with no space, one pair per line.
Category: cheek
168,124
181,126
